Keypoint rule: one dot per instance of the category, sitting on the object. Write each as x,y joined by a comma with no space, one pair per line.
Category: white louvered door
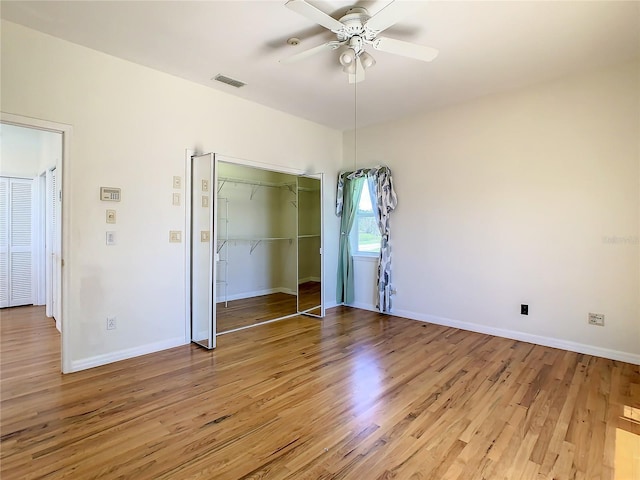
4,242
16,242
55,244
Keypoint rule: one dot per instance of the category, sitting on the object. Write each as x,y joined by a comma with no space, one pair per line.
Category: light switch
205,201
204,236
175,236
111,216
177,182
205,185
111,238
176,199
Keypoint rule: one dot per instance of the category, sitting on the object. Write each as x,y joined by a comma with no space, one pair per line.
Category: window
365,235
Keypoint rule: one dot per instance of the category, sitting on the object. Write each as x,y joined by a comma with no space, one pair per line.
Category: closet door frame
320,177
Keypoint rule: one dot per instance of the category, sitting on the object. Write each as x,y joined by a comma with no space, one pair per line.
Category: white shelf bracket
254,244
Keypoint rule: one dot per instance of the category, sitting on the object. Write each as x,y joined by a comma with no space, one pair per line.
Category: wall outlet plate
175,236
111,323
596,319
176,199
524,309
204,236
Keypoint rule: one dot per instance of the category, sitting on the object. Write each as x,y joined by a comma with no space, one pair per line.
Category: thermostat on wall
109,194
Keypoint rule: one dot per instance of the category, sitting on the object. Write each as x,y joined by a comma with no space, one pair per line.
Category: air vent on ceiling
229,81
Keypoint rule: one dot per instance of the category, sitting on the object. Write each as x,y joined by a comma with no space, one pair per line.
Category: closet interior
262,260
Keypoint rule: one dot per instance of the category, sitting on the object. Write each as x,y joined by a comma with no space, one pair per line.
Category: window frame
354,234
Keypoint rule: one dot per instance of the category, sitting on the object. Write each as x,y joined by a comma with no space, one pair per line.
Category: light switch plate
110,238
204,236
177,182
175,236
205,185
205,201
111,216
176,199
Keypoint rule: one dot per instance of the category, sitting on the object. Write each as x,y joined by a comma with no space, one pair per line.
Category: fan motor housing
353,22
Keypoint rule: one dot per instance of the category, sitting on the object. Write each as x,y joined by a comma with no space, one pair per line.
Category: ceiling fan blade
359,75
389,15
312,51
315,15
406,49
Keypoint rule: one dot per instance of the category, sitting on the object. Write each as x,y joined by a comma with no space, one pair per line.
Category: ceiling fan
355,30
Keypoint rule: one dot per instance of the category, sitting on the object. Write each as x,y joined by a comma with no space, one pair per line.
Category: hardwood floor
250,311
356,396
253,310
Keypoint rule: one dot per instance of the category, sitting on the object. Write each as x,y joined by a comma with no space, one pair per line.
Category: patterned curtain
382,192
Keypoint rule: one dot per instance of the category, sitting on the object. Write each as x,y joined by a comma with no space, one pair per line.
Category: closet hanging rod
257,183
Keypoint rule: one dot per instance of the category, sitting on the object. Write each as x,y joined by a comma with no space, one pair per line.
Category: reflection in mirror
309,244
255,246
201,252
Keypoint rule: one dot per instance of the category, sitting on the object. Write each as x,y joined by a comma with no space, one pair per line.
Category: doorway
36,150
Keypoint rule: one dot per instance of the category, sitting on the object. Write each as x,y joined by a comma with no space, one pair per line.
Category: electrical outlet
524,309
176,199
111,323
204,236
205,185
596,319
175,236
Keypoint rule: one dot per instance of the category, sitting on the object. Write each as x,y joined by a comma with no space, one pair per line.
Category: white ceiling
485,47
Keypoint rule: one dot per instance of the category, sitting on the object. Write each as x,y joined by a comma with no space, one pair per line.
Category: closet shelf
309,236
253,241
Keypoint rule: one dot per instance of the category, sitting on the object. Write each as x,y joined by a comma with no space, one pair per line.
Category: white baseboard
512,334
99,360
256,293
309,279
524,337
364,306
58,325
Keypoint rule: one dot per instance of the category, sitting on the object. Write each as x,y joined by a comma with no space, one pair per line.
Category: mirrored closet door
265,247
310,292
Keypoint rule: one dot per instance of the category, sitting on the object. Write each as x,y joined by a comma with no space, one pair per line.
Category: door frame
63,177
217,157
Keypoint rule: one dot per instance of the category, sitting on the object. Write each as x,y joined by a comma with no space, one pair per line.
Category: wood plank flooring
356,396
251,311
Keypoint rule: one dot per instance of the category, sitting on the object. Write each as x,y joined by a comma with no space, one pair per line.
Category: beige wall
131,126
524,197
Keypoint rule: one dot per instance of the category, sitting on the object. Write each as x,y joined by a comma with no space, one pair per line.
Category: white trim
187,195
64,176
261,165
258,324
370,258
309,279
125,354
259,293
523,337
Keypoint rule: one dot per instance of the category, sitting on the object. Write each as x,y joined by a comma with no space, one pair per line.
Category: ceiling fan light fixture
350,69
348,57
367,60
